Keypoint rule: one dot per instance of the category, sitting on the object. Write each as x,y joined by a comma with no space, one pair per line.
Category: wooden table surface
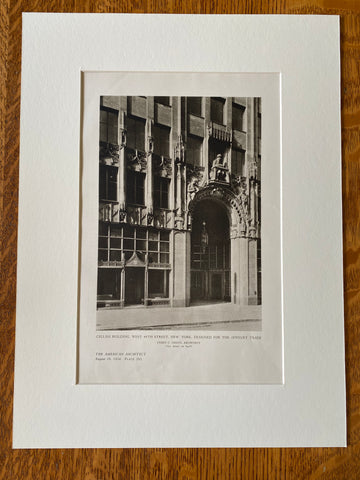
180,464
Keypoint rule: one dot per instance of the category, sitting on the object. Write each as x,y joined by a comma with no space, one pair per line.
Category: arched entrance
210,253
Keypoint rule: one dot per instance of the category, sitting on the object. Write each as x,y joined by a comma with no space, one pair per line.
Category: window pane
103,229
103,242
193,150
140,233
103,255
108,125
164,258
164,235
153,257
164,246
217,110
109,282
153,235
194,105
115,255
128,244
128,231
163,100
115,230
115,243
136,133
153,246
238,162
161,140
140,244
103,132
237,117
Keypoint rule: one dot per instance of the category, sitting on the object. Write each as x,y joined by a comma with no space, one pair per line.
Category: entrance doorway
134,286
210,253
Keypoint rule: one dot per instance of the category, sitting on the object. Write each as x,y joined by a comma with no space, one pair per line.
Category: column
244,271
181,269
149,169
253,272
235,270
122,287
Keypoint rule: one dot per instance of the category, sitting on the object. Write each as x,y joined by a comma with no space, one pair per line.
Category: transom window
116,240
213,257
108,125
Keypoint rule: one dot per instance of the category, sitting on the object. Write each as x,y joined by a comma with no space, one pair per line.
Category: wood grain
180,464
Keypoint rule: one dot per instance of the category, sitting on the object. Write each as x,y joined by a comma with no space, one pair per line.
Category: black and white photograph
179,236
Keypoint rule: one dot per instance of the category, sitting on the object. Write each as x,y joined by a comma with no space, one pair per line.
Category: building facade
179,201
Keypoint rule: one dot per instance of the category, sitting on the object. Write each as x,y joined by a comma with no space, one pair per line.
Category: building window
161,192
238,162
108,125
135,133
116,239
108,183
163,100
194,106
109,283
161,136
217,110
158,283
135,188
238,117
194,150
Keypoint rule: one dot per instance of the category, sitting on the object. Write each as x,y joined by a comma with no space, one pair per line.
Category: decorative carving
150,147
162,166
109,153
192,188
122,216
150,218
179,150
160,221
219,170
179,223
136,160
219,132
225,195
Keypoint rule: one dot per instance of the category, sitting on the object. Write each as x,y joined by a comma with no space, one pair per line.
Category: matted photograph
180,229
179,243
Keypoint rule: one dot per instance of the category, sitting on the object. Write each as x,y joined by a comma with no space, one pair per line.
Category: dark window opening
135,133
217,110
161,192
109,280
238,162
108,125
194,105
163,100
135,188
194,150
161,140
238,117
158,285
108,182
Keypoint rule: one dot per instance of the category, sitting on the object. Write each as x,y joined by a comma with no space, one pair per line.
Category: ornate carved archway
236,206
